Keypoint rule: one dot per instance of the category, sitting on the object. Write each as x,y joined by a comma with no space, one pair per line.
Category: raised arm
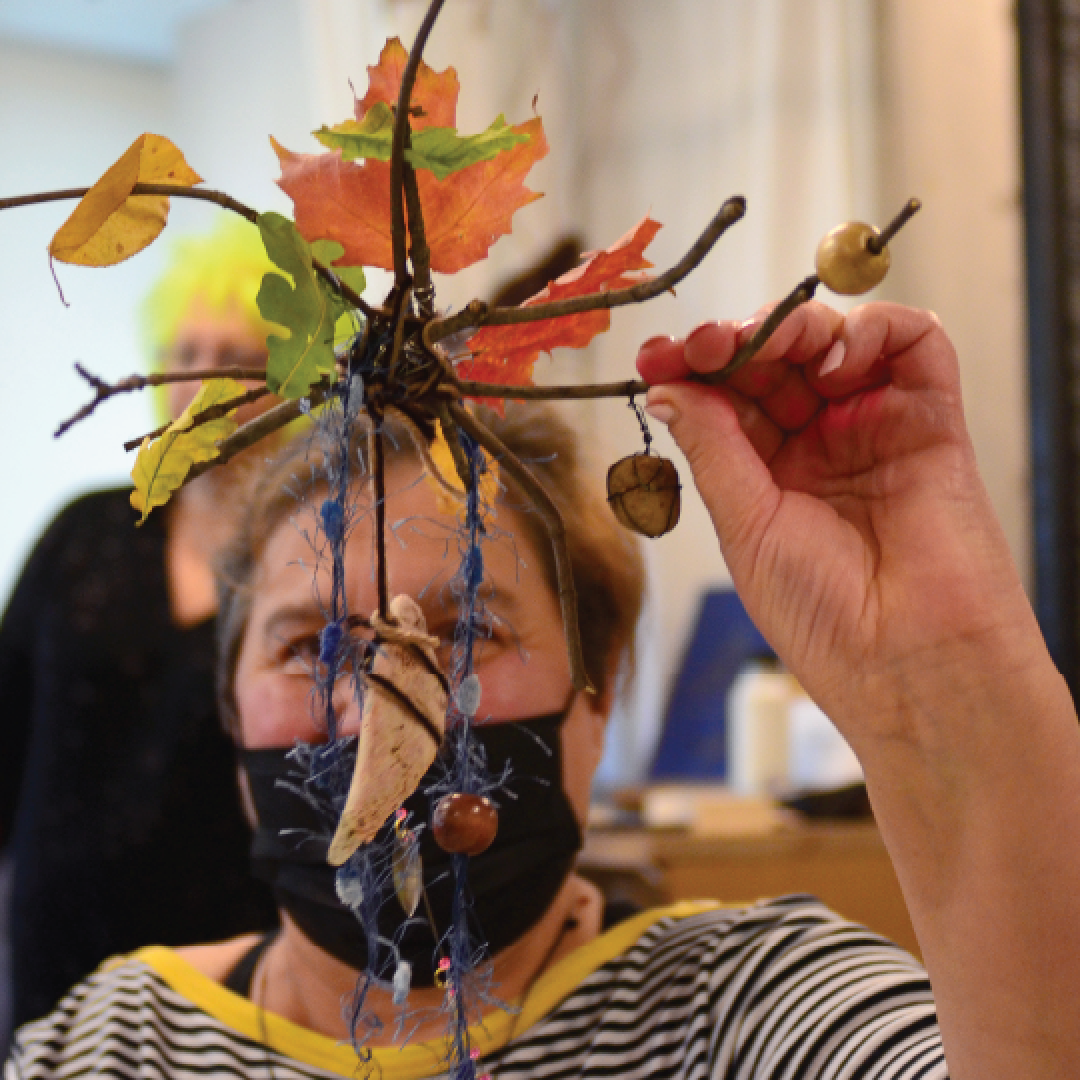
842,484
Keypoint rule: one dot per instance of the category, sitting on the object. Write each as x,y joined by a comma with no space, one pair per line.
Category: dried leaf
464,214
407,869
507,354
109,224
307,307
162,465
443,461
440,150
395,750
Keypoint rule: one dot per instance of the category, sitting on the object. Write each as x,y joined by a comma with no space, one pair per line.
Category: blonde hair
222,269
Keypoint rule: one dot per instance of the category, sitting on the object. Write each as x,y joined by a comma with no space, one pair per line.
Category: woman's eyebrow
304,615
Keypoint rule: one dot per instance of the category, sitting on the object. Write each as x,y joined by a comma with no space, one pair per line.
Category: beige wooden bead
844,262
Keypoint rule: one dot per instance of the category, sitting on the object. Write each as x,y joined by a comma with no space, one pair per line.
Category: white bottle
758,728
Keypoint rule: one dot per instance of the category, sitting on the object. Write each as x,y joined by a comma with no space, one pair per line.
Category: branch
478,313
204,416
397,151
802,292
219,198
552,519
378,473
103,390
270,421
630,388
877,244
419,252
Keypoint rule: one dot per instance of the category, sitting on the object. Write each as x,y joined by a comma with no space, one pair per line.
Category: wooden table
846,866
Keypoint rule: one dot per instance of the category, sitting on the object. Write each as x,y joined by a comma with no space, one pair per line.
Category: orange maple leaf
464,214
507,354
435,93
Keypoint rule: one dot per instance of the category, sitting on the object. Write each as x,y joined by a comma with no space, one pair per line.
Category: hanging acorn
464,824
643,492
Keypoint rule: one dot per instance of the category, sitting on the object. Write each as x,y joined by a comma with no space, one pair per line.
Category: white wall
64,118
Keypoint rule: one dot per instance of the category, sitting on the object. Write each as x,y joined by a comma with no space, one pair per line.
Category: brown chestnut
465,824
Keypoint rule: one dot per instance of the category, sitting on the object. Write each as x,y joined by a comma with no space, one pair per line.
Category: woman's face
522,667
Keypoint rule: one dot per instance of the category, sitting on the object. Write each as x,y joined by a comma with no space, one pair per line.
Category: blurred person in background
118,796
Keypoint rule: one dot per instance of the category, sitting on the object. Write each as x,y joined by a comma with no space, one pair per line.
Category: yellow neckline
418,1059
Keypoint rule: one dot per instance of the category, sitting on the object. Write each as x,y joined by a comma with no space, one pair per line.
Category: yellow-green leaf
163,465
110,224
440,149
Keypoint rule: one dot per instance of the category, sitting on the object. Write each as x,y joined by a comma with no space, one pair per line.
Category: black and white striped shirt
780,990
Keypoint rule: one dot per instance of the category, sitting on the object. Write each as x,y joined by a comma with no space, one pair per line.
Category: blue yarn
332,515
330,638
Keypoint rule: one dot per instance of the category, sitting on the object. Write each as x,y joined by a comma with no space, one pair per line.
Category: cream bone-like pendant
395,748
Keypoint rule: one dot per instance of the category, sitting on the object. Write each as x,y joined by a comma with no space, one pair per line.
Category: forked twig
478,313
549,513
104,390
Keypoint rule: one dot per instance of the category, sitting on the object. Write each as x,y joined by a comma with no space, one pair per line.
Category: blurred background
818,111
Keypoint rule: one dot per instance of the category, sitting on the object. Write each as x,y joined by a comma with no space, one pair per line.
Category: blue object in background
693,744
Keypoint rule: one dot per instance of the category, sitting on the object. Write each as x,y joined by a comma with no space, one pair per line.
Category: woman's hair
605,559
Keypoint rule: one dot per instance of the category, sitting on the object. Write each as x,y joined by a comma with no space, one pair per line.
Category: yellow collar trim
415,1060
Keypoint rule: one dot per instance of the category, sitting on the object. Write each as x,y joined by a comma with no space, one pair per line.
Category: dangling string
646,434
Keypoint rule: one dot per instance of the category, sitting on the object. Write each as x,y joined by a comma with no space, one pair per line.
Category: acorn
849,261
643,492
464,824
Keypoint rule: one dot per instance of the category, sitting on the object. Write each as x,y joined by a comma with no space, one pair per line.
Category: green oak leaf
162,465
307,307
440,149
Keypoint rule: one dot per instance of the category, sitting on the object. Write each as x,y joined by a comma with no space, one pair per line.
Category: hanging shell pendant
643,492
406,866
395,749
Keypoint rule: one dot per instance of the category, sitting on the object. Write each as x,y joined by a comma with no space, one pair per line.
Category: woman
844,492
116,782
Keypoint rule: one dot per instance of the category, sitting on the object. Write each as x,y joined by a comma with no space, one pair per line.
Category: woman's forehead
423,543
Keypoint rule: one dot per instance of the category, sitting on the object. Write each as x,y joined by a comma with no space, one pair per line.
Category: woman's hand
842,485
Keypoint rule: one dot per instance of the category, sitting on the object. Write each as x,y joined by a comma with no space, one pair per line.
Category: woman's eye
302,656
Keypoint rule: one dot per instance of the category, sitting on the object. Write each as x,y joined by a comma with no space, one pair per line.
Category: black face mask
510,885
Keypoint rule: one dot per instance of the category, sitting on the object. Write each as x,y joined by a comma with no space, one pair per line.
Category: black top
117,784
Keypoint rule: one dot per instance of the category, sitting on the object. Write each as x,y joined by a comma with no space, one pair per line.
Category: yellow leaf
162,465
442,462
109,224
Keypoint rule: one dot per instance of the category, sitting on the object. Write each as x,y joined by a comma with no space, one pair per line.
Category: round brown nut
847,264
465,824
643,491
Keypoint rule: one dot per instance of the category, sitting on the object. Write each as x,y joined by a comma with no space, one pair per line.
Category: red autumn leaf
507,354
434,92
464,214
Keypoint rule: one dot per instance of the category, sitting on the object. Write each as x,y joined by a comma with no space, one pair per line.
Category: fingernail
662,413
659,339
833,358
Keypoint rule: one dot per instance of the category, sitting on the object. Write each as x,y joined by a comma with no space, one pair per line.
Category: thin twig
254,430
478,313
399,330
103,390
419,252
397,151
877,244
219,198
628,388
553,521
203,416
802,293
378,475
